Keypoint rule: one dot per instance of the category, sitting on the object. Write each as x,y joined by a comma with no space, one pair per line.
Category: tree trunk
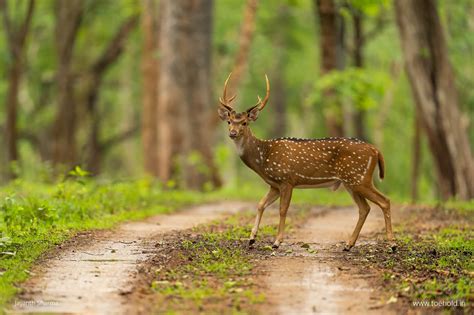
247,31
279,105
416,158
279,93
185,88
64,130
432,81
11,133
359,115
200,84
330,30
171,84
149,128
108,57
16,40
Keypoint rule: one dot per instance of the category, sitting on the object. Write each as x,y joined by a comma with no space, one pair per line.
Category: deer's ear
252,113
223,112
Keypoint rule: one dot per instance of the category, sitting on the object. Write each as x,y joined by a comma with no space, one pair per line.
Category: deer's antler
223,100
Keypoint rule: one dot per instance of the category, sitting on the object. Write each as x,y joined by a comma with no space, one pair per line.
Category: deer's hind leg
266,201
364,210
371,193
285,199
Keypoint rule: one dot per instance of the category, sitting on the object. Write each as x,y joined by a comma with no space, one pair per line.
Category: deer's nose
233,134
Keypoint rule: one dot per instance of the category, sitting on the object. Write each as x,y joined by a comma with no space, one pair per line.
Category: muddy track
94,272
318,281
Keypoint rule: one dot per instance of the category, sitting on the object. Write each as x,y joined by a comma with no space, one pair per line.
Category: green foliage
363,88
429,266
34,217
463,207
285,45
212,268
370,8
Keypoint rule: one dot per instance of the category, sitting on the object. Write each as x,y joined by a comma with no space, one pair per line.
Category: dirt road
307,282
94,271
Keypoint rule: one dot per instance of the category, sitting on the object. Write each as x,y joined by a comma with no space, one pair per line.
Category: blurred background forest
127,89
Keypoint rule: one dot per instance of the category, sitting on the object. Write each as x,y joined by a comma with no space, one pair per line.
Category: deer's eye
244,124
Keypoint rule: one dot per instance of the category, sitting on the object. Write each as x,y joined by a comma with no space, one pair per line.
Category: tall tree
247,31
185,87
416,157
433,84
16,34
360,36
282,39
109,56
358,55
68,19
331,38
199,81
149,128
239,67
171,83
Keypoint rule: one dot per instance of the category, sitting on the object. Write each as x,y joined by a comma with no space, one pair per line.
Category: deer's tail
381,165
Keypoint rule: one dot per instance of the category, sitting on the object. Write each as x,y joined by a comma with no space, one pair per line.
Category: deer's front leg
285,198
266,201
364,210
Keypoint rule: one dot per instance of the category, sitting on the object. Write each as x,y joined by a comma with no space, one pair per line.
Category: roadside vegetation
434,260
211,268
212,263
36,216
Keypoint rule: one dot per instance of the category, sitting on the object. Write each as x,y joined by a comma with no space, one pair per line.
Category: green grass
441,264
465,208
213,269
434,261
428,266
35,217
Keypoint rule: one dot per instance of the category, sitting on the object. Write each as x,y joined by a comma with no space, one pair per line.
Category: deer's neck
250,149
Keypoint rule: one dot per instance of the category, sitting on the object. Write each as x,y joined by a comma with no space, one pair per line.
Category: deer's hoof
347,248
251,242
393,247
275,246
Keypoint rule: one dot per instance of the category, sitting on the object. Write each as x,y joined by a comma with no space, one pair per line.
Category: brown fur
288,163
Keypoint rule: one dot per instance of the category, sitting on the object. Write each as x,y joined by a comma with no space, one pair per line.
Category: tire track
95,272
319,283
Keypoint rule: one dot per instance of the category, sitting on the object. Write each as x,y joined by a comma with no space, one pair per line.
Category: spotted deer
288,163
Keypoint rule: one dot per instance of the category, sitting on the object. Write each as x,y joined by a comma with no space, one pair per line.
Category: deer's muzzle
233,134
